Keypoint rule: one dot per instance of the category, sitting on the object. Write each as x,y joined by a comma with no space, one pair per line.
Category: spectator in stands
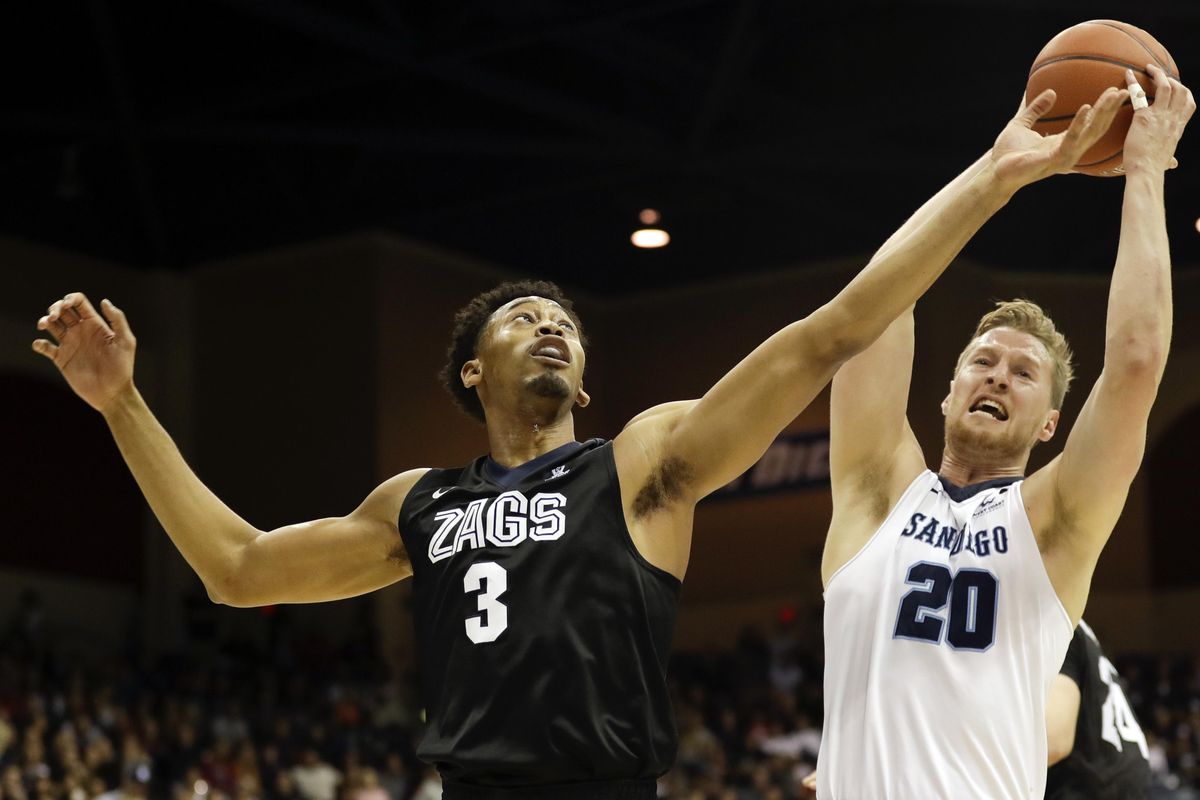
315,778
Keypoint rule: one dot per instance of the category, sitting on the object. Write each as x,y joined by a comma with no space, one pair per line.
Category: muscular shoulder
385,502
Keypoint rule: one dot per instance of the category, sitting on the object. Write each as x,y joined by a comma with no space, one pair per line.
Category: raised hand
1155,131
94,353
1022,156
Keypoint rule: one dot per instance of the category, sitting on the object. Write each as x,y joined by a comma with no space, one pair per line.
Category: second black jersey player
1106,757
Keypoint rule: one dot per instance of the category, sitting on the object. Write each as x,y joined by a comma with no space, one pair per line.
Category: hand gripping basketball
95,359
1158,126
1022,156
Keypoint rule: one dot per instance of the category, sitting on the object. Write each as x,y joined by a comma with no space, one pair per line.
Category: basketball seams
1137,39
1065,117
1090,164
1089,57
1084,59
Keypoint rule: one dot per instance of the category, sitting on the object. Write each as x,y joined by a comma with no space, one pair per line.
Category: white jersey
941,638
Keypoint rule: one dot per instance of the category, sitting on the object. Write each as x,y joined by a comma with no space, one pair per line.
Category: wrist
1139,169
125,400
991,185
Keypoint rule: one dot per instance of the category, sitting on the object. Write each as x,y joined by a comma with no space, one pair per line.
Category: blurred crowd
308,721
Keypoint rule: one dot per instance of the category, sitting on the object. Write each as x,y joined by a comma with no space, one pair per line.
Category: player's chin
549,384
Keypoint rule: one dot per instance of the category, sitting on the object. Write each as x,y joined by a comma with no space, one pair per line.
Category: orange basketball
1079,64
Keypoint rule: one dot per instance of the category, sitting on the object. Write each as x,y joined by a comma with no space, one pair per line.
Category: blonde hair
1028,317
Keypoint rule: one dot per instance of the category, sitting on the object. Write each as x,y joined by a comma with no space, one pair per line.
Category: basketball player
1097,749
546,575
950,596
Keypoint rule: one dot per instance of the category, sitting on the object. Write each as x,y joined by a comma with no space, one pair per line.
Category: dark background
531,133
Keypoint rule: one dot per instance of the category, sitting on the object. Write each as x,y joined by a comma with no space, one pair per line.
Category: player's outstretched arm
1075,500
239,564
716,439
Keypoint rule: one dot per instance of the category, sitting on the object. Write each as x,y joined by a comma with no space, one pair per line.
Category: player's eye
566,324
981,361
525,316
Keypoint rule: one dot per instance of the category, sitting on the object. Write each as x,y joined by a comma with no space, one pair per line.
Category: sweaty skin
667,458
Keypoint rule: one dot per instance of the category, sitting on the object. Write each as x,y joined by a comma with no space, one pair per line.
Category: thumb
116,318
1040,106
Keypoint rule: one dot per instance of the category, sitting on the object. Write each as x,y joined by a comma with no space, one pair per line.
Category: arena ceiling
530,133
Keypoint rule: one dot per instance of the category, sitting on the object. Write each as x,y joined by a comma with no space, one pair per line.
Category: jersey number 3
491,580
970,623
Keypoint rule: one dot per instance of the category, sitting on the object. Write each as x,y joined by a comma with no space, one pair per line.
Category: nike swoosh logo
439,492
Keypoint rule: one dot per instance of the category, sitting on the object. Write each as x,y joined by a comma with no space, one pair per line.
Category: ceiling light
649,216
650,238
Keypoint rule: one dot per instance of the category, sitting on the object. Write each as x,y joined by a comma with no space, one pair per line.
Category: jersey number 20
491,580
970,623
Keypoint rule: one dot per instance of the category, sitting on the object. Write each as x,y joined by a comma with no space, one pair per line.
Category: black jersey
543,634
1110,760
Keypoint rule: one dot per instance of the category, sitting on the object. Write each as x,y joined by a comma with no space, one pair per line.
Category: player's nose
548,328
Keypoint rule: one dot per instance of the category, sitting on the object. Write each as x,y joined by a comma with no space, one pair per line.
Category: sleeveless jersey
542,633
1110,759
941,638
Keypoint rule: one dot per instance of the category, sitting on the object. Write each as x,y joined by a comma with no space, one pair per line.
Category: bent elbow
232,587
213,595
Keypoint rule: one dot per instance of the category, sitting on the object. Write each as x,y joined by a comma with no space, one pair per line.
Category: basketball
1079,64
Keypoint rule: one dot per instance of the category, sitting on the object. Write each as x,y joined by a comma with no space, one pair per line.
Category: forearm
207,532
915,255
1138,328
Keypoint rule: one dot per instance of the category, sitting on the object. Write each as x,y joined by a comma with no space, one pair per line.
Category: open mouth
551,349
985,405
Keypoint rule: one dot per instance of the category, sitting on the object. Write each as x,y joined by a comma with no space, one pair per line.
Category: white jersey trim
1019,487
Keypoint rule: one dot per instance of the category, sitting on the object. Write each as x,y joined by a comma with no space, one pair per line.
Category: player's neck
962,470
514,440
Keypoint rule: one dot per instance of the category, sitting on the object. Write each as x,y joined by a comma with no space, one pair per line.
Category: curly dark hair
469,324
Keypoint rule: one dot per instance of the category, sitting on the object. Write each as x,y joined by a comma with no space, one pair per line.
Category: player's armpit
720,436
326,559
873,454
873,451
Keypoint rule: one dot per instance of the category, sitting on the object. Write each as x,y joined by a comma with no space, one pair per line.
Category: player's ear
1050,426
946,400
582,398
471,373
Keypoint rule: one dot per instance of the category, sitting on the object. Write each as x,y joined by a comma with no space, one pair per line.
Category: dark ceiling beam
120,89
13,121
732,64
390,49
294,88
664,64
1182,8
572,29
444,142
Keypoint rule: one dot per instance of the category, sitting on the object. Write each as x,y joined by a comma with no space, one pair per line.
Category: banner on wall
794,461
